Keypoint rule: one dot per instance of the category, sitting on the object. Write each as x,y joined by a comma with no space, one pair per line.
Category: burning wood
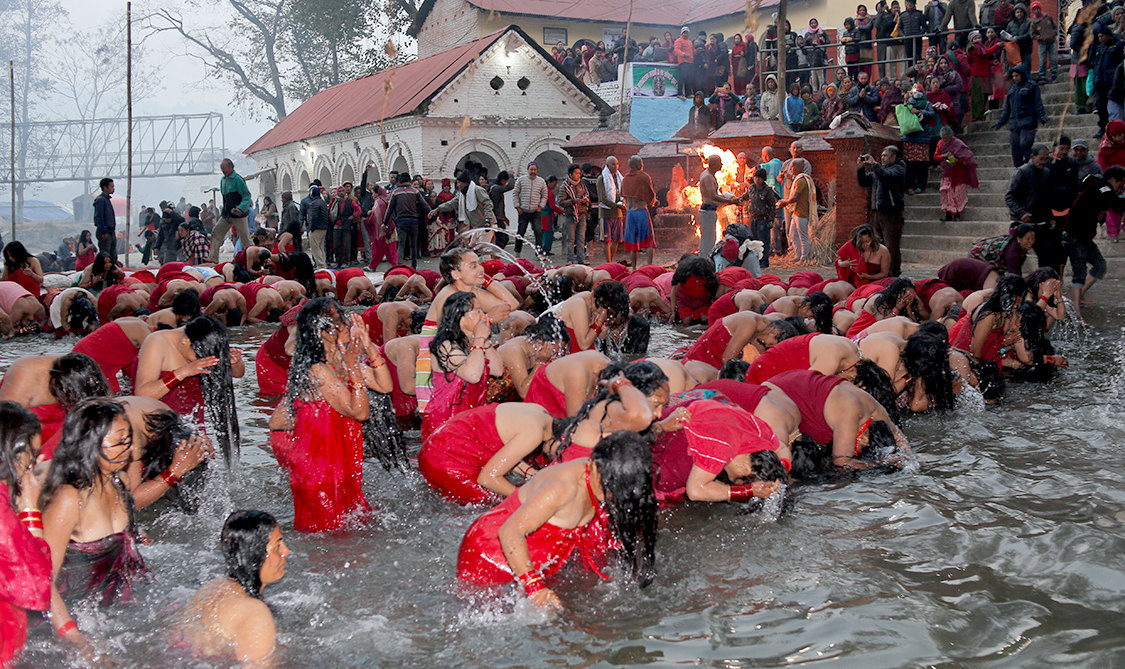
687,196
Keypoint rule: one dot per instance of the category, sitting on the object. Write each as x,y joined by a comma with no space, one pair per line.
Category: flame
728,183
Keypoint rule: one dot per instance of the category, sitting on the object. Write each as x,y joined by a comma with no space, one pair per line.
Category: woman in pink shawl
958,173
384,239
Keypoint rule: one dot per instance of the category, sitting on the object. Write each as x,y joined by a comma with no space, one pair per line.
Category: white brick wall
451,22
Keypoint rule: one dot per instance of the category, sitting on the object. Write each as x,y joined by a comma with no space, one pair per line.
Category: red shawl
963,168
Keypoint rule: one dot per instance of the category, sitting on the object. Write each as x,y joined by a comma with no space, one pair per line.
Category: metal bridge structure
85,150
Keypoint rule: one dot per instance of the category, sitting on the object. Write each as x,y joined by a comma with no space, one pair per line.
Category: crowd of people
531,387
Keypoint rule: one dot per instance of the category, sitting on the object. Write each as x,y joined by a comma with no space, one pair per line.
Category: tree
278,53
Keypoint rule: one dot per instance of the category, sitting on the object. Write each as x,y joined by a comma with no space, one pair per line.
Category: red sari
25,579
453,457
325,464
272,364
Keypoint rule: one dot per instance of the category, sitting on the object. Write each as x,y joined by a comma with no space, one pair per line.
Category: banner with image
655,80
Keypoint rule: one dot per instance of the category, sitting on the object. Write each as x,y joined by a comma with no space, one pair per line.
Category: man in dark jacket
405,210
912,26
1103,62
105,221
887,181
1029,201
863,98
317,221
1064,177
1098,195
167,237
496,192
1023,112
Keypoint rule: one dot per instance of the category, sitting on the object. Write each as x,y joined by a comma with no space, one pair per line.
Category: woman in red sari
580,505
328,402
463,359
864,259
444,227
23,268
25,558
958,173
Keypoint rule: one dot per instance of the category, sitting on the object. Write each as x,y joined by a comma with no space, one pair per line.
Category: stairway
929,241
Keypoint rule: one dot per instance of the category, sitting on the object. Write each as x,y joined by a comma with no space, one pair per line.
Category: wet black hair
549,329
240,273
886,299
645,376
926,359
451,260
317,316
98,269
990,380
637,336
1033,326
797,323
555,291
934,329
417,321
20,425
166,430
16,256
784,329
693,265
1004,298
75,376
186,303
810,459
234,317
735,369
82,315
208,337
390,294
245,538
299,265
456,307
611,296
78,456
383,438
624,464
877,383
881,442
272,316
1036,279
821,307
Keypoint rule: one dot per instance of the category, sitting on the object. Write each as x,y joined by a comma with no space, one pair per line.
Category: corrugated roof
671,13
362,101
37,211
602,136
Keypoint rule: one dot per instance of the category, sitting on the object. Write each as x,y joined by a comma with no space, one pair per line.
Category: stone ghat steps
928,240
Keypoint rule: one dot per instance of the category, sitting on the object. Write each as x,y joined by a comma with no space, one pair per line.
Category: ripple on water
1001,549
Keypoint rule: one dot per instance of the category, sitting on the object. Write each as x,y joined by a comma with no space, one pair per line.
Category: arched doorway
325,177
286,183
347,175
372,175
552,163
488,161
303,181
400,165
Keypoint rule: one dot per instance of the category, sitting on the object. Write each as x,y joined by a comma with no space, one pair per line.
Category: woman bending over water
227,616
567,507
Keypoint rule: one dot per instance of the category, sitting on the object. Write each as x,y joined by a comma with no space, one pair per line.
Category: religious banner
655,80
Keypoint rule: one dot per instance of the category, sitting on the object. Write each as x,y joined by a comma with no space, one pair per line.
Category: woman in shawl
981,58
1110,153
942,105
951,83
890,98
739,64
833,105
999,90
958,173
916,145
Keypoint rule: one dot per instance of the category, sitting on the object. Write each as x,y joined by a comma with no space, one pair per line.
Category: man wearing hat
683,52
1087,166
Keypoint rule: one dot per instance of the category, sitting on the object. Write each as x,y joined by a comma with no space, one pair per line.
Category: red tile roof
363,101
670,13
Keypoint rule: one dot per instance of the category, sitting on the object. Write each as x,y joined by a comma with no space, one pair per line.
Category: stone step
978,222
960,245
1115,265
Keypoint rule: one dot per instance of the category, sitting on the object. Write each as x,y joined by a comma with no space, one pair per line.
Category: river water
1001,548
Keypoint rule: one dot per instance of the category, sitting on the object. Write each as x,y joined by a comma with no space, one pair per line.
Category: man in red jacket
683,52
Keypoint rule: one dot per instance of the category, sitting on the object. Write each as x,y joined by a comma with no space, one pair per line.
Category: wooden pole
129,107
12,82
782,9
626,77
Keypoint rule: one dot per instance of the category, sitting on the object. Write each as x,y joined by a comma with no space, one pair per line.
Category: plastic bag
907,122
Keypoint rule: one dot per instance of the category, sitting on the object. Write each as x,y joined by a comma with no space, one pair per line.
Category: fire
728,183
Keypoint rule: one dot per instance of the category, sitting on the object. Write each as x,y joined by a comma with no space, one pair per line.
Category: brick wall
450,22
848,142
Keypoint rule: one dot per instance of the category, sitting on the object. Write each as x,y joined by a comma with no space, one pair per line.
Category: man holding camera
887,180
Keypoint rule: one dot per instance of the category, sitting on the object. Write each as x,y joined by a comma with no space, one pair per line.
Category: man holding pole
236,206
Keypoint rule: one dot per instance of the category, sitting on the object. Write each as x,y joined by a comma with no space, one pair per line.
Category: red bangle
596,328
787,463
532,582
615,386
741,493
66,627
169,478
169,379
487,281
